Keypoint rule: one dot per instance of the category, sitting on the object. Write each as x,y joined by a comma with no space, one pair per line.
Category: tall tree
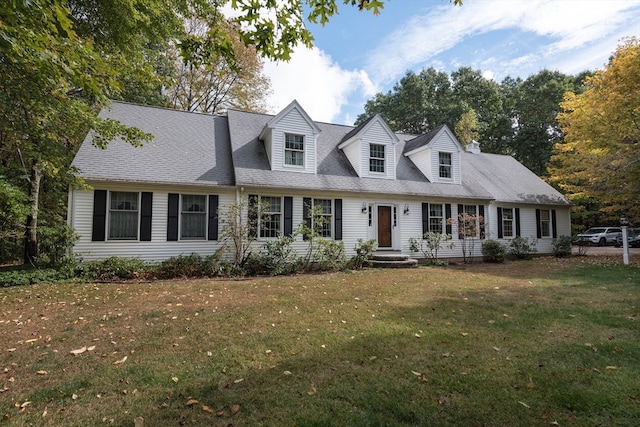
466,129
598,161
208,82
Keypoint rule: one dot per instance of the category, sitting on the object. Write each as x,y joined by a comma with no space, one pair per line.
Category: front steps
392,260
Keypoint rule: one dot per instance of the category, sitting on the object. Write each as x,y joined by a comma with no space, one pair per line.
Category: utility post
624,222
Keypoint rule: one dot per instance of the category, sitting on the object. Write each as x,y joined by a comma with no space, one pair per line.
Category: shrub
329,255
193,265
561,246
114,268
364,250
493,251
28,276
276,257
429,244
522,248
54,246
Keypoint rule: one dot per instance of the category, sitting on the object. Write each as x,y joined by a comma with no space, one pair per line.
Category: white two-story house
168,197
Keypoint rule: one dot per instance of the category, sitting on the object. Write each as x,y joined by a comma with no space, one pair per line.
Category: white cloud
567,26
318,83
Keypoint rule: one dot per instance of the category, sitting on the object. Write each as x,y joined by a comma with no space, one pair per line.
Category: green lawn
517,344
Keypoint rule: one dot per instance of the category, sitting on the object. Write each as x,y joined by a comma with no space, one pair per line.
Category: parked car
599,236
633,237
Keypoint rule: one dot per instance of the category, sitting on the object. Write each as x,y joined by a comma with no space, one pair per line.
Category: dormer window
293,150
444,163
376,158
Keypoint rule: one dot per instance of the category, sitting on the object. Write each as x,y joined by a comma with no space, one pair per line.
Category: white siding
81,219
295,123
422,160
352,151
377,134
528,225
355,223
444,143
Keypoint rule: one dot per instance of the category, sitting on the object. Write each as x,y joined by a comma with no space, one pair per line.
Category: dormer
437,155
371,149
290,139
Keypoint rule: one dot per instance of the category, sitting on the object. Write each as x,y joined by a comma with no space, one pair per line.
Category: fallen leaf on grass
121,361
313,390
611,368
235,409
524,404
174,379
3,389
41,372
191,402
78,351
238,381
421,376
207,409
464,334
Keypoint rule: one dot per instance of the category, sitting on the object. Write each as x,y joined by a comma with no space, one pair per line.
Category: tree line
578,132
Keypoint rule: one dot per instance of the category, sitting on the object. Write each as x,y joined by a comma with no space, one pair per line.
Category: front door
384,227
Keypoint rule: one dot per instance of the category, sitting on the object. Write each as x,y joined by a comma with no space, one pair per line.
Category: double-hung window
324,219
468,221
545,223
508,229
444,165
376,158
293,149
436,218
271,216
193,217
123,215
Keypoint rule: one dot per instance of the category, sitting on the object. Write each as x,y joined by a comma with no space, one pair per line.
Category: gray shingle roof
188,148
201,149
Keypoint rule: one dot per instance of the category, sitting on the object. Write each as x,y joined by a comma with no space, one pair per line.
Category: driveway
605,250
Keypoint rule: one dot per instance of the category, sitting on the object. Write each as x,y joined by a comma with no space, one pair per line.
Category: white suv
599,235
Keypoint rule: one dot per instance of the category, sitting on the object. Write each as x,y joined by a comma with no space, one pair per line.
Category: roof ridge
157,107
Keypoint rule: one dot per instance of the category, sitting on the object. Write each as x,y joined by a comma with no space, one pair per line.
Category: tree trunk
31,232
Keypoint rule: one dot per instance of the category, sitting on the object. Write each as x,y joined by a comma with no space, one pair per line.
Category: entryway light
406,209
364,207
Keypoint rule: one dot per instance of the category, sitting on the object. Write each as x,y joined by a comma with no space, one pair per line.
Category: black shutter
517,222
481,220
554,228
447,218
173,206
99,215
425,218
288,215
212,233
306,207
500,231
337,203
538,225
252,215
146,202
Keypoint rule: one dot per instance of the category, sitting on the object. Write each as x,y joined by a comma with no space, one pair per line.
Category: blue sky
357,54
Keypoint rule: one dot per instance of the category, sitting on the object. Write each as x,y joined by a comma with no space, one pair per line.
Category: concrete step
392,260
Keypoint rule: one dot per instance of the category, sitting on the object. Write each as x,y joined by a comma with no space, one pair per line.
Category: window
468,221
436,216
508,230
293,149
324,224
193,217
376,158
123,215
545,223
444,162
271,216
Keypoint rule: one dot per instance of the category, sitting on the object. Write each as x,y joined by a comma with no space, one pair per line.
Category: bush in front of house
276,257
493,251
193,265
114,268
364,251
561,246
522,248
329,255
